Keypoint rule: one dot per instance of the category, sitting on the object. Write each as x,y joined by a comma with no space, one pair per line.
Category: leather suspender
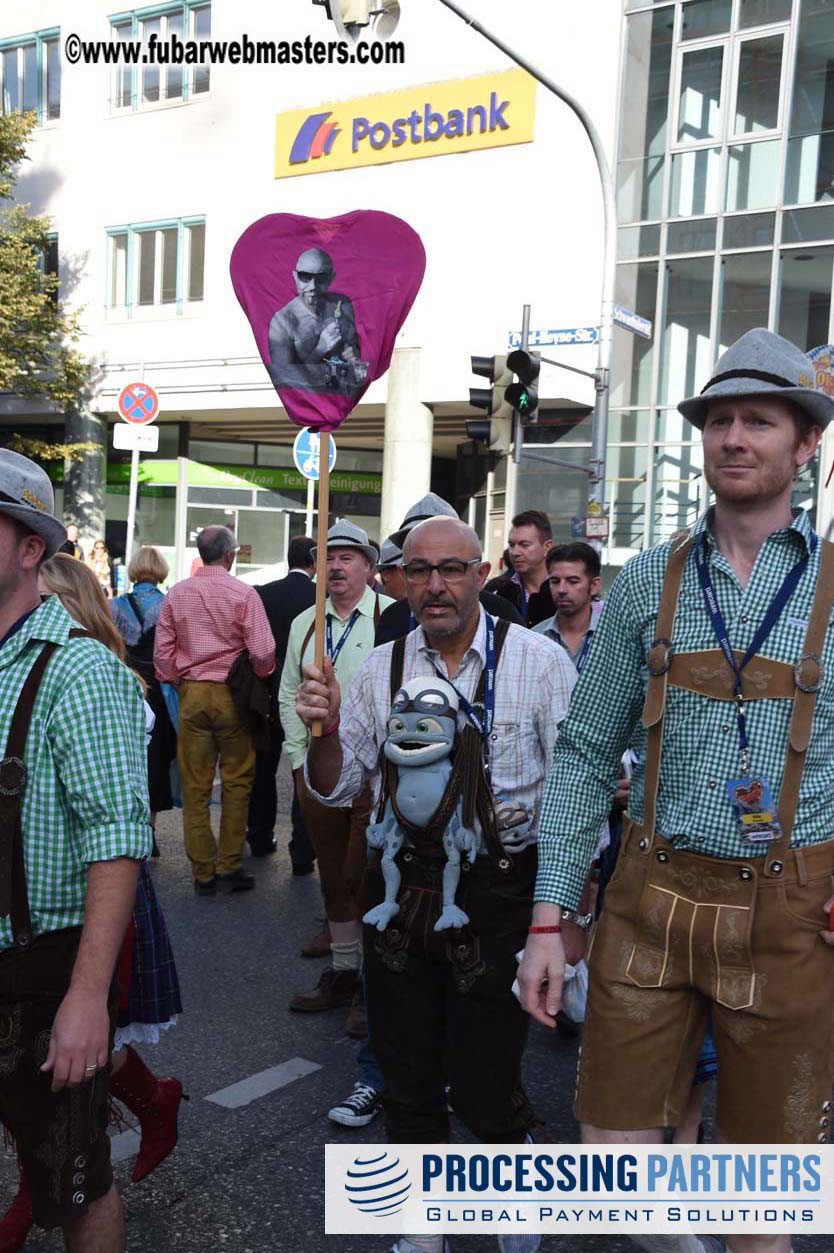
654,709
14,897
808,673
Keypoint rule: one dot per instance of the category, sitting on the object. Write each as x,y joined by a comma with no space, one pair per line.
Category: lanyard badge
750,795
332,652
483,720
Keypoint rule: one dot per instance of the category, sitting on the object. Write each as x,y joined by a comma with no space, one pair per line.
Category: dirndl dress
150,991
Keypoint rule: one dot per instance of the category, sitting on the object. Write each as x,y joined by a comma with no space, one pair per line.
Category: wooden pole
321,555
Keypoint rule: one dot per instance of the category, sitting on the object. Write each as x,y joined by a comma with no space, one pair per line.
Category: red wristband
553,930
331,730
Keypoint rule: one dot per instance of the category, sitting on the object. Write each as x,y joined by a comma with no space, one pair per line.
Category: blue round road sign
305,453
138,403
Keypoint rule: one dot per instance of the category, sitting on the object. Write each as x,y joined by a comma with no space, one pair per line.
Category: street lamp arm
599,437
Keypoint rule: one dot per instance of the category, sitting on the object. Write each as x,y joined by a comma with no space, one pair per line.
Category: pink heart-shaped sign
325,299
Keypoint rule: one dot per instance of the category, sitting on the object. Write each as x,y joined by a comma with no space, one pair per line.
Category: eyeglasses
450,570
323,276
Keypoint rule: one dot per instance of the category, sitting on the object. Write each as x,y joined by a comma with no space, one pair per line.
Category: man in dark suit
283,600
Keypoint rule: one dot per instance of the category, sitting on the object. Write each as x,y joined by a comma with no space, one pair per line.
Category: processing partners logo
314,139
378,1184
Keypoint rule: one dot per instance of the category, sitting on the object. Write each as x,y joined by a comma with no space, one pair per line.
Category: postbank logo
490,111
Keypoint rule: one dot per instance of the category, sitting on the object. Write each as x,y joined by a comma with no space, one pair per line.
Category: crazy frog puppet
421,735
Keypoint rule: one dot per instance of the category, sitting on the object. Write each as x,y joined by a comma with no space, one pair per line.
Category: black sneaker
360,1108
205,887
237,881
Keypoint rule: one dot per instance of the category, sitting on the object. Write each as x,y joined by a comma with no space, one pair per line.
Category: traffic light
496,430
523,396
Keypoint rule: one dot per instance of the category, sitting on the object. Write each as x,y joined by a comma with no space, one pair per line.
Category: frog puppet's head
422,722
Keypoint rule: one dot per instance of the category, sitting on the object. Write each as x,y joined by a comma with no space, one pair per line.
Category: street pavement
250,1179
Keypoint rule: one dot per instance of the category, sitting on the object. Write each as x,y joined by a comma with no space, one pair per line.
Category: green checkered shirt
86,796
700,739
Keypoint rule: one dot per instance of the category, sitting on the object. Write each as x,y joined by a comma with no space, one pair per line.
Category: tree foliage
38,335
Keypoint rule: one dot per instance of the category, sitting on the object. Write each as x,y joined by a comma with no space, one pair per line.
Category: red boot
155,1102
17,1220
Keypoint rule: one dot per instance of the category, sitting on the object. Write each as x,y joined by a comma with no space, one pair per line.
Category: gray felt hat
26,494
762,364
345,534
390,555
429,506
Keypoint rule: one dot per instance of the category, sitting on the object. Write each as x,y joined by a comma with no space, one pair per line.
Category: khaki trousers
209,728
338,837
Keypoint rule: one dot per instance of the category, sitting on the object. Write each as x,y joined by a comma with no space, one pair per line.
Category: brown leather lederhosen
683,933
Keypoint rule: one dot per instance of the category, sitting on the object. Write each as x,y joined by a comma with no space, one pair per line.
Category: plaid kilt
153,992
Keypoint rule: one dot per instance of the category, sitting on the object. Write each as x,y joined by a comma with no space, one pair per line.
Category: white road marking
247,1090
124,1145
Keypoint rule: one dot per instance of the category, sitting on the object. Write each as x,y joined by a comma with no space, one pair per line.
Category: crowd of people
479,769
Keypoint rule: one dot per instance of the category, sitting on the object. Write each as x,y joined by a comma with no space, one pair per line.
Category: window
30,75
133,87
753,176
695,185
156,265
758,84
686,356
633,356
810,167
745,295
643,126
48,262
805,296
700,94
705,17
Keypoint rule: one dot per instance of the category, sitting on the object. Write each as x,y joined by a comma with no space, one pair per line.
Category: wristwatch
579,920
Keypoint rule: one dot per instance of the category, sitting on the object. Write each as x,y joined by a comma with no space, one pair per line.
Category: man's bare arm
81,1030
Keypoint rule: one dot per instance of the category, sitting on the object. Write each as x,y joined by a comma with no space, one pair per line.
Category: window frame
748,35
132,309
135,19
38,40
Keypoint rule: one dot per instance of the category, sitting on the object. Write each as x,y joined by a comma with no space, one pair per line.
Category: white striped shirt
533,683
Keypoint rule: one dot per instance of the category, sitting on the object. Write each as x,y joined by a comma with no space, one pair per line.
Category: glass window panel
745,295
202,30
633,356
147,265
695,183
679,488
118,270
625,491
124,73
11,94
53,79
169,265
685,344
219,453
699,105
762,12
805,296
749,230
640,189
809,175
150,73
629,427
759,79
30,77
196,261
648,61
802,224
644,4
637,241
560,491
695,236
812,108
174,73
752,176
705,17
673,427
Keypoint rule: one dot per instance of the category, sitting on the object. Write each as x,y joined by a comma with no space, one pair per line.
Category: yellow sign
490,111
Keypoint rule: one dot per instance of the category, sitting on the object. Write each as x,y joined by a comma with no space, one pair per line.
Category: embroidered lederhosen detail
708,674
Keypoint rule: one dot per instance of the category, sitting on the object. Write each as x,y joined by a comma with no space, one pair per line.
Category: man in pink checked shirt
205,623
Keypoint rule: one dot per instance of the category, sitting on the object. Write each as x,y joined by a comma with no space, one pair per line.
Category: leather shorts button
745,873
822,1138
644,844
776,867
663,857
406,856
826,1107
823,1122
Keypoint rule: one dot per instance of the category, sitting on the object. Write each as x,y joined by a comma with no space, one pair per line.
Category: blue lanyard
332,652
482,725
768,623
583,655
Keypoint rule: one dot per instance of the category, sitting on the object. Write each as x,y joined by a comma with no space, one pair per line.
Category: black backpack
140,654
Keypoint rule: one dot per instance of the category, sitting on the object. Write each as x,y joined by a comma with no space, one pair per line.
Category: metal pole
599,437
131,507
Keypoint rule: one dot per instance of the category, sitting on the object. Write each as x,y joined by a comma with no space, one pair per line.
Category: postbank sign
490,111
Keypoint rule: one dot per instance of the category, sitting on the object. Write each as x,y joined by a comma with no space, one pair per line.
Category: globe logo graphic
378,1184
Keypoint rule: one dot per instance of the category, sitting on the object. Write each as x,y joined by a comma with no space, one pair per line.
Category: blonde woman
150,999
100,562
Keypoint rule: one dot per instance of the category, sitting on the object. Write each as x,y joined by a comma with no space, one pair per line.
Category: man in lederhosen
714,654
440,1006
74,823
